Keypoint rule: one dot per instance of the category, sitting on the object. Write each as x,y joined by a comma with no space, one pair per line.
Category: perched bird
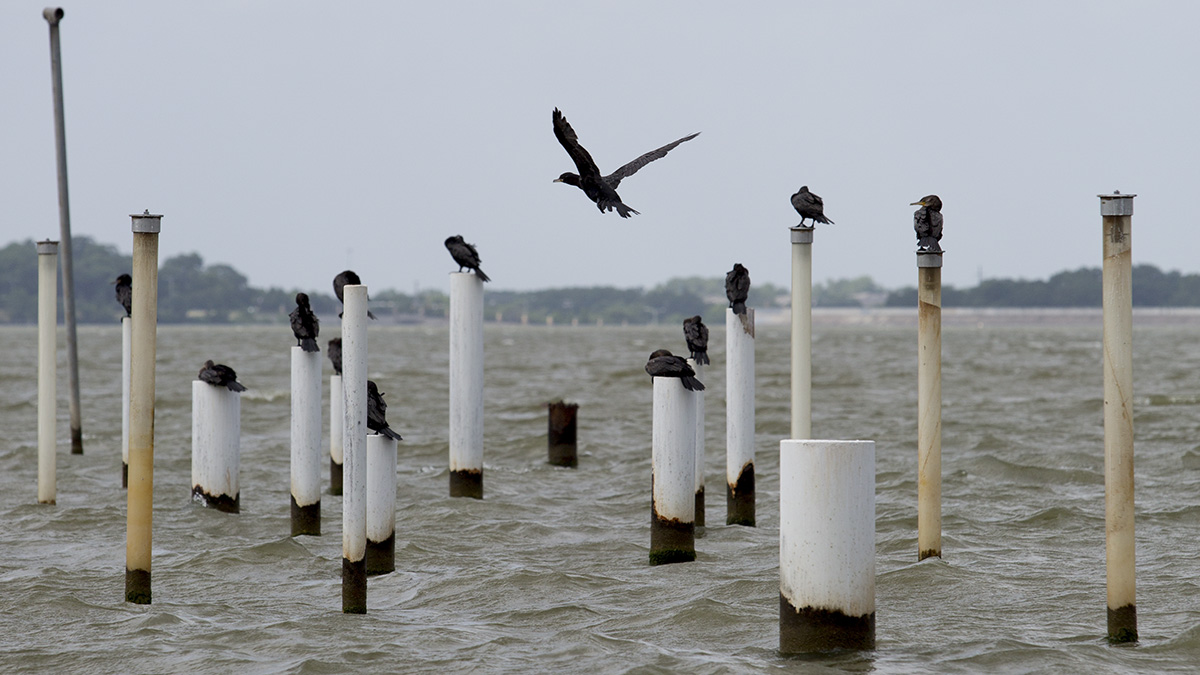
220,375
809,205
334,350
125,293
696,334
663,363
305,325
347,277
737,288
601,189
376,409
927,221
465,255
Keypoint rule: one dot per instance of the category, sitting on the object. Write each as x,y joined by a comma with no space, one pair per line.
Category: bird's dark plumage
663,363
125,293
334,350
927,221
220,375
465,255
376,413
809,205
696,334
601,189
737,288
345,278
305,325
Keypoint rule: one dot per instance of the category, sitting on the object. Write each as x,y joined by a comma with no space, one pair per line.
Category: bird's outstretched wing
570,142
614,179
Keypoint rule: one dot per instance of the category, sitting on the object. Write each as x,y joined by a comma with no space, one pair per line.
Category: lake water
549,572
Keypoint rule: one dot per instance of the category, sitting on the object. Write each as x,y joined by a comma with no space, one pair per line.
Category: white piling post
698,443
466,385
929,404
354,450
336,423
826,545
381,504
216,446
126,370
306,442
739,418
1117,212
47,253
802,239
673,502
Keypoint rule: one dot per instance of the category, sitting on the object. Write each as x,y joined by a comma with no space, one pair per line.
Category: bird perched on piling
347,277
334,350
376,413
465,255
696,334
125,293
305,325
601,189
809,205
220,375
737,288
663,363
927,221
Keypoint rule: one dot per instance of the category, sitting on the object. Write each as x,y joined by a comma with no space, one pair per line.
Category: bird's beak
556,180
917,204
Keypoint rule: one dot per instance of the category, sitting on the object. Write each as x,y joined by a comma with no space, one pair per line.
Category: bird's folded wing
614,179
570,142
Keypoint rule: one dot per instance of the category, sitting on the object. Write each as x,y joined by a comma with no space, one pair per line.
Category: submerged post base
819,630
467,483
306,519
563,454
335,477
1122,624
739,499
671,541
223,502
381,555
137,586
929,553
354,586
562,444
699,512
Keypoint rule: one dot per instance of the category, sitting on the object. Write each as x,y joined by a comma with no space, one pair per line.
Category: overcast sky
295,139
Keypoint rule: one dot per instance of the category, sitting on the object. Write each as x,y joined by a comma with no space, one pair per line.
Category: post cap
929,258
145,222
47,247
1116,204
53,15
802,235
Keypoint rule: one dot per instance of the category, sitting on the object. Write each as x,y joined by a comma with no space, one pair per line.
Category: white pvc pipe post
698,485
673,503
826,545
381,504
739,418
802,239
929,404
354,450
306,442
466,385
216,446
336,422
47,252
1117,213
126,369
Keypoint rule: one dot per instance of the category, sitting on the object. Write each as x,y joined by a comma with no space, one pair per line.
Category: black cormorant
696,334
465,255
737,288
809,205
347,278
125,293
663,363
305,325
334,350
220,375
376,413
927,221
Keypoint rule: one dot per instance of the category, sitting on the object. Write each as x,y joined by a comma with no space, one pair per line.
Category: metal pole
802,239
1117,211
47,252
53,15
739,418
354,450
929,405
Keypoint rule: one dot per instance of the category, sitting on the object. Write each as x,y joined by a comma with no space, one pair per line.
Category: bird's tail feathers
235,386
823,219
702,359
482,277
387,431
370,315
692,384
309,345
622,210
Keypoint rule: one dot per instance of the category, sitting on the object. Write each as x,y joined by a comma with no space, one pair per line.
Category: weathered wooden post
929,404
126,373
47,403
562,440
354,450
739,418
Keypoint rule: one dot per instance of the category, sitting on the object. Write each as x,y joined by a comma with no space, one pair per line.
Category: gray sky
294,139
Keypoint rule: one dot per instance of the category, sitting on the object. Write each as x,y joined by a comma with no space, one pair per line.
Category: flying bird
376,409
809,205
334,350
927,221
465,255
663,363
696,334
346,278
125,293
601,189
220,375
737,288
305,325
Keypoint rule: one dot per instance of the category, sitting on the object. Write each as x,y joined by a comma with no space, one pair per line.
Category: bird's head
456,239
660,352
372,389
930,201
302,299
568,178
123,279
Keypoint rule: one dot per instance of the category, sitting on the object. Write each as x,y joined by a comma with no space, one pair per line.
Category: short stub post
336,422
929,404
802,239
126,360
466,385
673,502
47,404
381,504
354,450
739,418
216,446
306,442
698,484
826,545
562,443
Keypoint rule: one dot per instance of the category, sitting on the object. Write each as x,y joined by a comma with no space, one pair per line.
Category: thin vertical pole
739,418
802,239
306,442
466,385
126,362
47,252
929,405
337,415
698,399
354,450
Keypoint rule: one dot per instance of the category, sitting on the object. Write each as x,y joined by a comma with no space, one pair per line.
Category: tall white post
673,502
698,485
47,252
802,239
126,370
826,545
381,504
739,418
337,416
466,385
216,446
354,450
306,442
929,404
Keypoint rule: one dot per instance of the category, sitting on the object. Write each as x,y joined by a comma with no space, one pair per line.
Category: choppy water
549,572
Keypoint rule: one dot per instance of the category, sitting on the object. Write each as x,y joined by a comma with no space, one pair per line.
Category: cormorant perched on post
696,334
737,288
809,205
601,189
663,363
465,255
376,413
927,221
125,293
347,278
334,350
219,375
305,325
